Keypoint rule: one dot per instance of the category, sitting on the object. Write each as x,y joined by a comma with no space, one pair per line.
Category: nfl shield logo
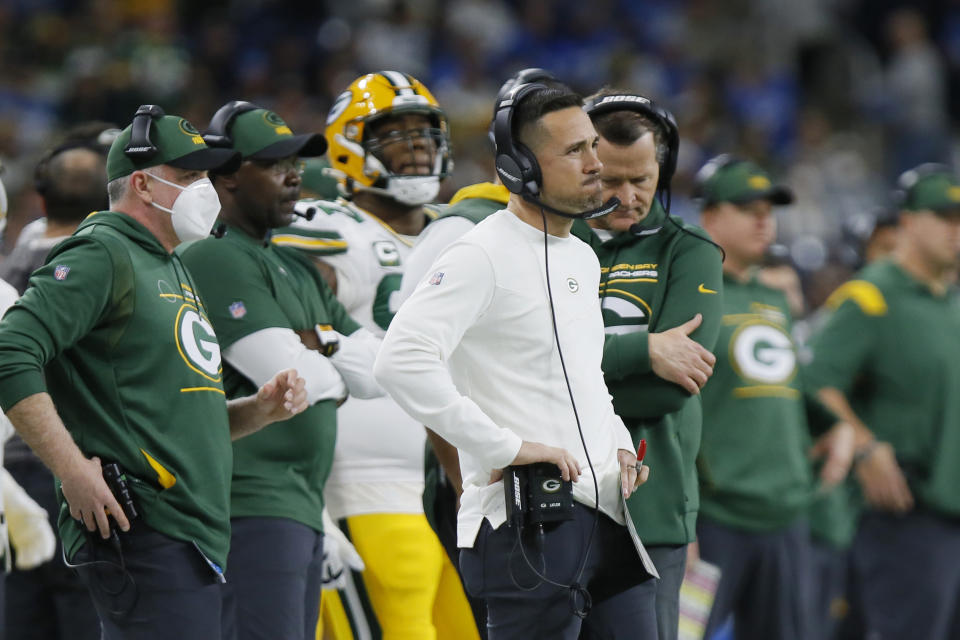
437,278
60,273
238,310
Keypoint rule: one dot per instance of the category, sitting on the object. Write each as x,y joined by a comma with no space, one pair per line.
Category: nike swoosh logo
703,289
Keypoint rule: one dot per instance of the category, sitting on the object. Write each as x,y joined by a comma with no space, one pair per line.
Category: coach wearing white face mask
109,367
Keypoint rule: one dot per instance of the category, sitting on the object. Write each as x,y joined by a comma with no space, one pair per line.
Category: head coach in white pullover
498,350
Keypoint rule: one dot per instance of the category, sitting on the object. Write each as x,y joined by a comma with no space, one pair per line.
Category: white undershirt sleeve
354,360
262,354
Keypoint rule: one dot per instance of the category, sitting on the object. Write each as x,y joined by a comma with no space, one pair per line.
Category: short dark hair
624,127
538,104
71,190
75,186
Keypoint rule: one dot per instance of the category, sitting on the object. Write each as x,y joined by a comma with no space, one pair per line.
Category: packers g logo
277,123
763,352
187,128
621,316
551,485
197,343
339,106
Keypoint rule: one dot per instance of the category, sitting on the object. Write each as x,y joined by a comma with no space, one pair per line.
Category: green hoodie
111,328
652,281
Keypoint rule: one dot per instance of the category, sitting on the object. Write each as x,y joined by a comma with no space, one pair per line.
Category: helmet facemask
367,153
404,150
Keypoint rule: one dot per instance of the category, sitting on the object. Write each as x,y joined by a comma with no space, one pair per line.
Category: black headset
524,76
218,132
601,105
516,164
141,147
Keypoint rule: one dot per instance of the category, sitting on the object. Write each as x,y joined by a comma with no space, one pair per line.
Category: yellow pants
409,582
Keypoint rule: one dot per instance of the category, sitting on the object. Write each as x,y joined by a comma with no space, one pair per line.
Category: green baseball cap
726,179
163,139
259,134
930,188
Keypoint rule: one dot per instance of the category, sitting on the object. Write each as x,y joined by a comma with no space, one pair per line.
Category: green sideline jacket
250,285
113,329
891,345
651,282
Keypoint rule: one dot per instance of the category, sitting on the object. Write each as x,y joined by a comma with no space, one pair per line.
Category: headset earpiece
140,147
516,165
218,132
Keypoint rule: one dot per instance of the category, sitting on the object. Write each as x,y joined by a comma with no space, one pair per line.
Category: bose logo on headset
506,175
622,98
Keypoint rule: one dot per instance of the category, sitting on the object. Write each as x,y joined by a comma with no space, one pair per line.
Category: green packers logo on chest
624,312
197,342
762,352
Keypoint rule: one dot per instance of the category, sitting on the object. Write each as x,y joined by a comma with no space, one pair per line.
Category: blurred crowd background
836,97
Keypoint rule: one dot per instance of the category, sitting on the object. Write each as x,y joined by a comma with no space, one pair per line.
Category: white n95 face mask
194,211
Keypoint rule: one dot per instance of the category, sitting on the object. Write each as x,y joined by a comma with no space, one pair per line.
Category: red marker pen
641,452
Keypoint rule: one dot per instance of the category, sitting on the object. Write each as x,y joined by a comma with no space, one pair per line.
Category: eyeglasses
281,167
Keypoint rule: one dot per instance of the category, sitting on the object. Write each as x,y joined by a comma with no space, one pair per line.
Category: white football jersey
378,460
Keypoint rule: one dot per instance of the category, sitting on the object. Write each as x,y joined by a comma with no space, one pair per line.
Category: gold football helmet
356,155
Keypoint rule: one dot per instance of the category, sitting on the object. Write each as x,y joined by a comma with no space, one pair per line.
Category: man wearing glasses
270,306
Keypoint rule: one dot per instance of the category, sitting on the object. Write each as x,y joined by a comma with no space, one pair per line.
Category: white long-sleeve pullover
472,355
